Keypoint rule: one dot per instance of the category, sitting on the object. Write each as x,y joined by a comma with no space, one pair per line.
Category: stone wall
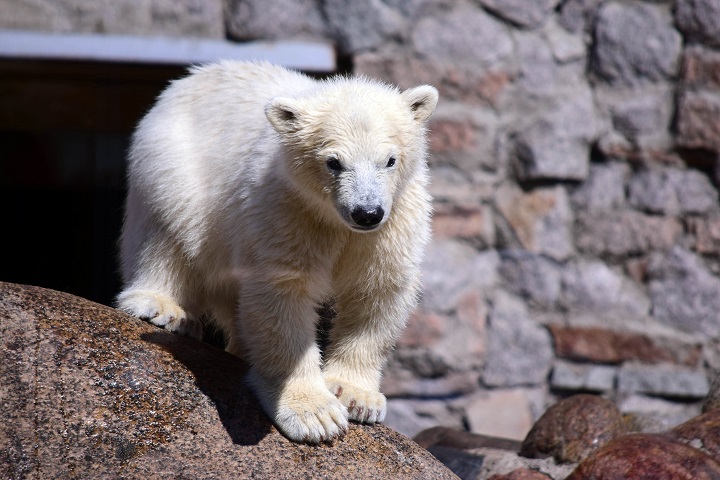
574,159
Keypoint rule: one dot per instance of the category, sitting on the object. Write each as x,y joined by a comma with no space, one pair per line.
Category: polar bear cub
257,193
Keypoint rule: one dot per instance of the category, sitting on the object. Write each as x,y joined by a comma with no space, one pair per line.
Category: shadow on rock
221,377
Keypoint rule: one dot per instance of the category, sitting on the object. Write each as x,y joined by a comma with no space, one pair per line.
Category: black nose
367,218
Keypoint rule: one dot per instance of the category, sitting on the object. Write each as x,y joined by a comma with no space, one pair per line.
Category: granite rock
503,413
274,19
465,35
464,137
532,277
698,20
89,391
642,115
684,292
520,12
647,457
577,15
411,416
518,350
604,189
701,432
452,269
701,68
663,380
470,223
582,377
556,145
672,191
591,285
634,44
624,232
540,219
358,26
610,345
573,428
712,400
655,414
181,18
698,120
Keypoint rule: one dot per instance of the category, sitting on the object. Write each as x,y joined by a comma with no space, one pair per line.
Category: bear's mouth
359,228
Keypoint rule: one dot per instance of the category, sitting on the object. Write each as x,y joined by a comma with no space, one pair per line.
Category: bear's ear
422,101
283,114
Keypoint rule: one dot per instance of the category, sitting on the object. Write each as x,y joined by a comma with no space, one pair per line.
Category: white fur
234,213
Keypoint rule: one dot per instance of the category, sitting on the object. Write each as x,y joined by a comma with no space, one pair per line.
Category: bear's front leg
365,330
277,328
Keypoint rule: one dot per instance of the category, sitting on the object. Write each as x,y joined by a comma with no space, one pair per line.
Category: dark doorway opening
64,131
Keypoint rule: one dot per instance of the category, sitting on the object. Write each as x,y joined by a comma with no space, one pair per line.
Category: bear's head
353,145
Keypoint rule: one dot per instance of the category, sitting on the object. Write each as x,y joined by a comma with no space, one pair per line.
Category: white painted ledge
22,44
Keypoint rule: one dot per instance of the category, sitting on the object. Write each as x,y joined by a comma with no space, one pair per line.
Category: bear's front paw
366,406
160,310
310,414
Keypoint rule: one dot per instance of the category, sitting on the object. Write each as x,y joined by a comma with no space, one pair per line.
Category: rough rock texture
638,447
701,432
698,20
520,12
635,43
684,292
193,18
666,380
601,345
88,391
572,428
647,457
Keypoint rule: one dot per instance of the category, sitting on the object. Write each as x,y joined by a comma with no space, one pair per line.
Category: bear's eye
334,165
391,162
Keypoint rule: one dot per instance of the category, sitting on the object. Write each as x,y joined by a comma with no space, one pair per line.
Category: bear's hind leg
160,310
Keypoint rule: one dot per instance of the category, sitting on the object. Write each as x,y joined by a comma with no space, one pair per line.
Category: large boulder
87,391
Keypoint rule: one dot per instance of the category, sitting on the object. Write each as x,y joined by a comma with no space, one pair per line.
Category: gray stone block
540,219
274,19
410,417
188,18
519,350
532,277
591,285
577,15
635,43
657,413
556,145
451,269
521,12
624,232
604,188
582,377
664,381
672,191
463,36
698,20
358,26
642,115
698,120
684,292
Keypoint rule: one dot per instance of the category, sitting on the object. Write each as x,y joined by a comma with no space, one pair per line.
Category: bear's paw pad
364,406
160,310
310,415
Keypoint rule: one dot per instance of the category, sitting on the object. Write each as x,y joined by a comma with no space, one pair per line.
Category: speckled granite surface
87,391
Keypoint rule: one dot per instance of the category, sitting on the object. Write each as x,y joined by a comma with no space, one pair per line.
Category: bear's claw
160,310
